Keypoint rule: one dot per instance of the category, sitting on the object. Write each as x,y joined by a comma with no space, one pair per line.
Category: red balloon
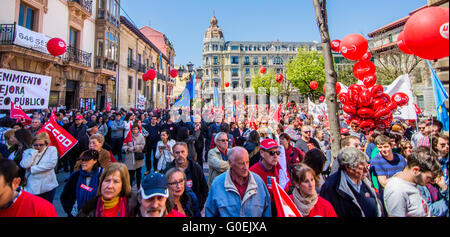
367,124
378,103
392,105
365,112
365,98
363,68
353,46
343,97
349,109
279,77
377,90
401,44
145,77
313,85
262,70
386,97
322,98
381,112
338,88
370,80
400,98
353,96
426,33
366,56
56,46
335,45
151,73
174,73
227,84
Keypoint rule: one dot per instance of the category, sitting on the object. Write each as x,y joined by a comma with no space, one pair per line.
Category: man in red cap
269,166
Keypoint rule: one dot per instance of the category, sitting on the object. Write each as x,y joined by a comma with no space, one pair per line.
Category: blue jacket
224,199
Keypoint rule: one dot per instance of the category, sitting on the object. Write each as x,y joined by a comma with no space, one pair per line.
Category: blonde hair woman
40,162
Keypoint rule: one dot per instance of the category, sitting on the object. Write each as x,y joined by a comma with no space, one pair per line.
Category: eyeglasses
272,153
38,145
306,131
222,140
421,128
176,183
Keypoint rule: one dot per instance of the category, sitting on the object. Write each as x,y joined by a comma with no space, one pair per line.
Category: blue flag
185,97
440,96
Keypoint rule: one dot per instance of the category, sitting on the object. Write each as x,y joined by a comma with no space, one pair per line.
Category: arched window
277,61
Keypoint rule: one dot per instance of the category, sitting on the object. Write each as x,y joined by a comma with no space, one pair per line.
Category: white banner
317,110
140,102
31,39
402,84
29,90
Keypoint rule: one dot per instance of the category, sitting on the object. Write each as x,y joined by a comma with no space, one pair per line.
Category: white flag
402,84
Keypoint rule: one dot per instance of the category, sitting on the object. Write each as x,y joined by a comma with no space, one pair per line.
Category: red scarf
122,208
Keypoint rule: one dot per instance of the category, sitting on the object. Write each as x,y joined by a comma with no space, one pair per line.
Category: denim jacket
224,199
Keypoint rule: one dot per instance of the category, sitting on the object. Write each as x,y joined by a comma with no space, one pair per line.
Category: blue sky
185,22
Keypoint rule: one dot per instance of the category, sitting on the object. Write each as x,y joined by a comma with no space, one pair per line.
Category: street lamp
180,71
200,76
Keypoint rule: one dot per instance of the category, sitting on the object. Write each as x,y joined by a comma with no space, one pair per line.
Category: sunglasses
306,131
272,153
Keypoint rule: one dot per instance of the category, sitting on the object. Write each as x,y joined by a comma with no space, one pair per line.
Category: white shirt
403,199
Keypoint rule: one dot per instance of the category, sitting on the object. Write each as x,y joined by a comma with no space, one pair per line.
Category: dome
213,30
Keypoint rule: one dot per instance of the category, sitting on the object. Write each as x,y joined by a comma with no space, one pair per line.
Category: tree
265,81
307,66
392,64
320,9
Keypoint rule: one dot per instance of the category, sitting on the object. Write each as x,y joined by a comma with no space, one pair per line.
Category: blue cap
154,184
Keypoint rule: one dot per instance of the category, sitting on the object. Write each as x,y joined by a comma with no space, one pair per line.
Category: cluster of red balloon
426,34
365,104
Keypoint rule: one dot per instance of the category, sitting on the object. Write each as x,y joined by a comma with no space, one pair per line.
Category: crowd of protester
400,171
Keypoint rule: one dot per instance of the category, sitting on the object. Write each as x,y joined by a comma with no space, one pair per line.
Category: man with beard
153,198
402,198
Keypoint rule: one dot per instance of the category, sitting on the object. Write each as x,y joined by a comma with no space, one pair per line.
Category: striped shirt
379,166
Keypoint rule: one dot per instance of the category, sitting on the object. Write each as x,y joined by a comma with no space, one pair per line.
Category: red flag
129,137
108,106
285,206
418,110
59,137
253,124
17,113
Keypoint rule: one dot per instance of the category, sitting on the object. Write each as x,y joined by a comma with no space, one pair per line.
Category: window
234,59
100,48
215,71
139,58
206,60
130,57
277,61
247,85
246,60
235,72
159,87
26,17
264,61
215,60
235,84
130,82
255,61
234,47
207,72
247,71
140,84
73,37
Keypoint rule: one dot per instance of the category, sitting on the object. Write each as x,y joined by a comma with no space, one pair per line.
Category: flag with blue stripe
440,96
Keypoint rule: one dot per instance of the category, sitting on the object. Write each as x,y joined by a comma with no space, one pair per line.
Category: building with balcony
74,81
237,62
165,62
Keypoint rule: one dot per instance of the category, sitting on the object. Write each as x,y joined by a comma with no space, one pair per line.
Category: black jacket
239,139
199,185
337,191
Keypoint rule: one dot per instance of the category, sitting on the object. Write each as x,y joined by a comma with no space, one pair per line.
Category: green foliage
265,81
307,66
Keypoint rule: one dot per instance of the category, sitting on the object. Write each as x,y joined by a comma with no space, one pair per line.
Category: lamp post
200,76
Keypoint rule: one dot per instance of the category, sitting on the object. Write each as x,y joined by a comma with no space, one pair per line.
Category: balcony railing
131,63
7,33
77,56
86,4
142,68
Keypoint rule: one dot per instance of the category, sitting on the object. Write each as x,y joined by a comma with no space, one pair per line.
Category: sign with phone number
31,39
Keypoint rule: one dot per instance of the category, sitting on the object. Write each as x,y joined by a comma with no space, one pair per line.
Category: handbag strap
42,155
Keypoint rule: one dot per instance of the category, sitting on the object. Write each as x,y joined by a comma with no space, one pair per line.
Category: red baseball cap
78,117
268,144
345,131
